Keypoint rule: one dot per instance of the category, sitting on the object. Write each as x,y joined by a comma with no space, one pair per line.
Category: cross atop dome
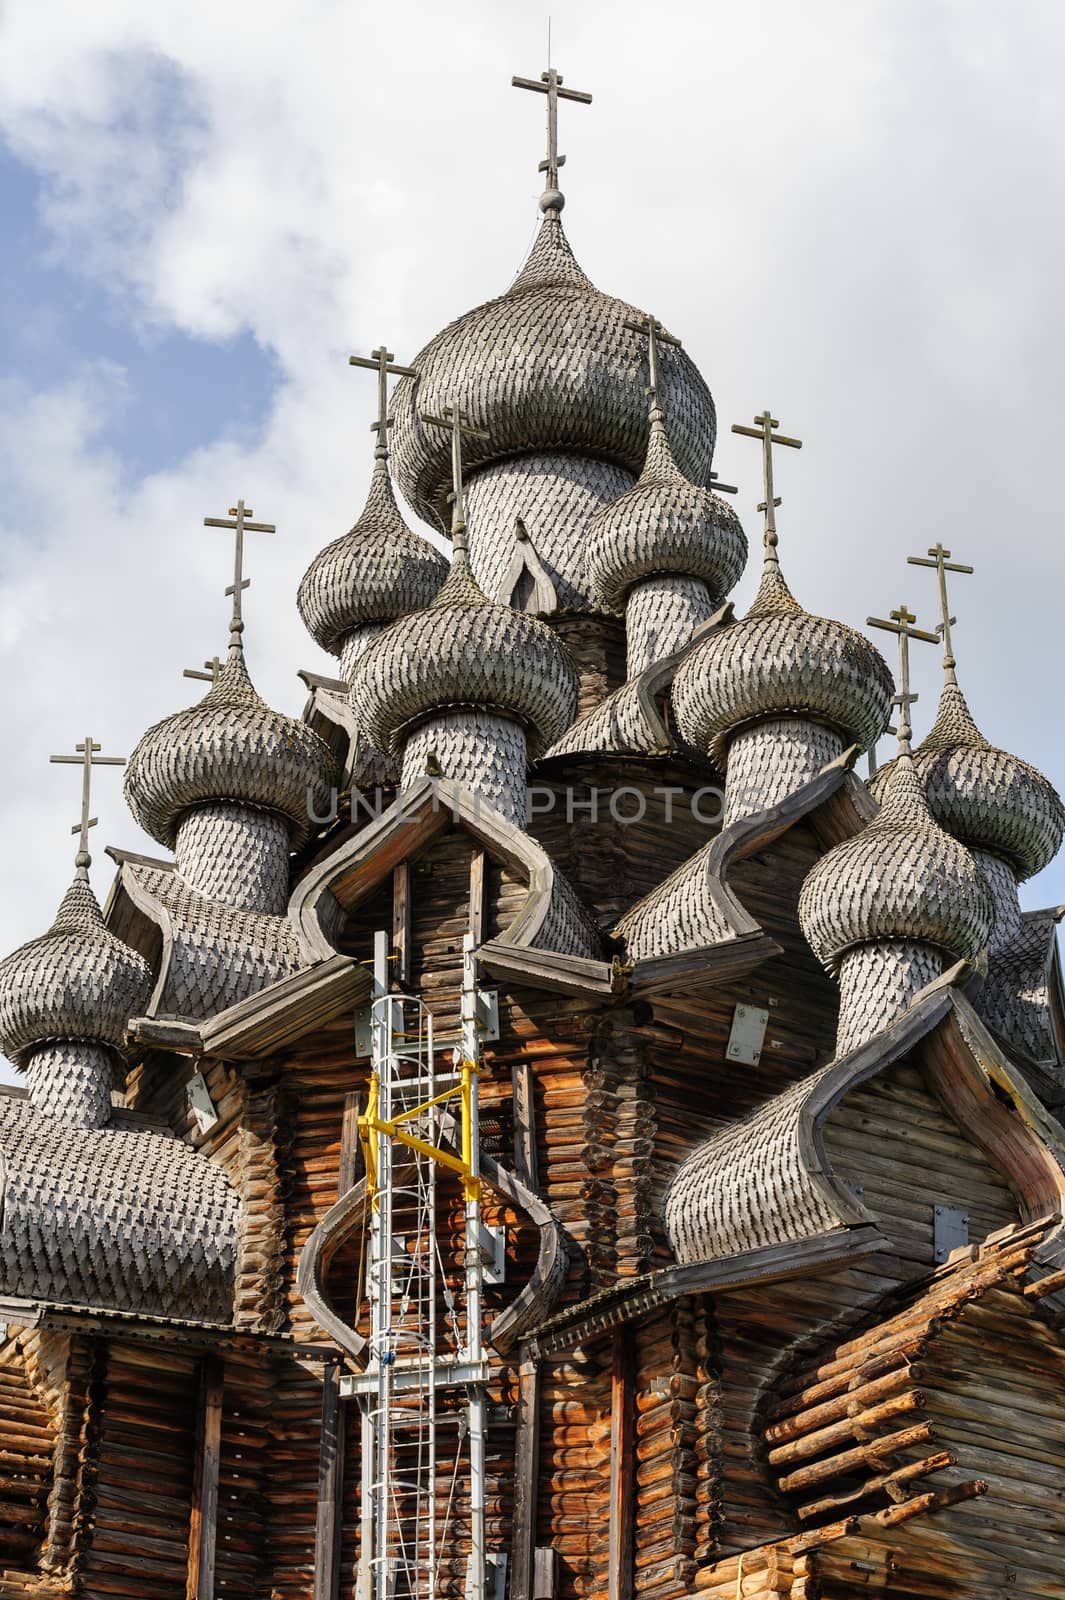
939,558
458,423
901,624
764,429
383,362
86,758
237,522
655,334
550,84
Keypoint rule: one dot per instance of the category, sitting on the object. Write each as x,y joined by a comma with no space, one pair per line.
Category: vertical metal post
471,1051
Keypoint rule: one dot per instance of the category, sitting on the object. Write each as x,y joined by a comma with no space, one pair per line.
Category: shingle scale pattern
661,615
903,877
778,661
550,365
77,981
679,915
230,746
128,1220
877,983
770,760
982,795
1016,998
235,854
484,752
71,1080
376,572
616,726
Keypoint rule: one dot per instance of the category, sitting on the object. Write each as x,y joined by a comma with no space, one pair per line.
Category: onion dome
378,571
77,981
663,524
988,799
776,661
465,650
550,365
231,746
902,878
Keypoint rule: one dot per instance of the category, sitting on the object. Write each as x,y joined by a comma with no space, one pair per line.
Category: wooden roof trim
546,969
629,1301
705,966
267,1021
533,1302
129,904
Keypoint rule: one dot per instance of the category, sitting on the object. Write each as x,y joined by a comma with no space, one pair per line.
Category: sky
849,211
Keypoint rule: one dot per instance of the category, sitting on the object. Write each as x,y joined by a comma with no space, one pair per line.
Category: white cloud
845,210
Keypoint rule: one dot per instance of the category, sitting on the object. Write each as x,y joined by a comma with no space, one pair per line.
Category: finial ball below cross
550,84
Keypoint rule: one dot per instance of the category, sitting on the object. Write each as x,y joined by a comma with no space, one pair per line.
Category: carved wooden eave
634,1299
698,895
267,1022
531,1305
551,943
779,1152
330,714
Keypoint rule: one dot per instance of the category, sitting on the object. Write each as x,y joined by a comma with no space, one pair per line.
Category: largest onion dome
77,981
663,524
902,878
781,661
984,796
550,365
465,650
377,571
231,746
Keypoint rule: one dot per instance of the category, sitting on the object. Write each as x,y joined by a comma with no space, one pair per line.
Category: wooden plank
401,922
526,1477
203,1522
477,873
622,1468
524,1124
330,1489
349,1145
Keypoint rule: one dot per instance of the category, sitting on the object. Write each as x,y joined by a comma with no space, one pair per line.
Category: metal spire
763,429
457,422
550,83
238,523
940,559
901,624
87,757
382,362
655,334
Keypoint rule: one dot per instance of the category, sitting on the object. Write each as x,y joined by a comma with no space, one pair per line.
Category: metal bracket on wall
200,1103
747,1034
950,1227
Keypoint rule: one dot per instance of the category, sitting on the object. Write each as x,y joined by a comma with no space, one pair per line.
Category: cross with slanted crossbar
87,757
940,559
655,335
237,522
457,422
550,84
214,667
382,362
901,623
765,424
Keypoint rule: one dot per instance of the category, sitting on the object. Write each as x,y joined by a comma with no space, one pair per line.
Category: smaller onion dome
230,746
663,524
465,649
988,799
77,981
376,572
776,661
903,877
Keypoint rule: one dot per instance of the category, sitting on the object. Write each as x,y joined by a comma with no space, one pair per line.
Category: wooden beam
349,1145
401,923
526,1477
524,1124
622,1468
203,1521
477,874
330,1489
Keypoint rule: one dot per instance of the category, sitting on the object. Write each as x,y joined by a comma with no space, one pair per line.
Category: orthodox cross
458,424
87,757
901,623
940,559
722,488
382,361
214,667
655,335
763,429
550,84
237,522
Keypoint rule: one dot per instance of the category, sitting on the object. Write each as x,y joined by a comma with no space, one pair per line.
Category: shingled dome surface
230,746
77,981
465,649
985,797
378,571
550,365
663,524
781,661
902,877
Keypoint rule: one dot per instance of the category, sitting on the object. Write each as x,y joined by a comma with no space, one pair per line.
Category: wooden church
545,1127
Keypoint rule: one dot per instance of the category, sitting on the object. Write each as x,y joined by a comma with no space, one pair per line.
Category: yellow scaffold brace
370,1123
